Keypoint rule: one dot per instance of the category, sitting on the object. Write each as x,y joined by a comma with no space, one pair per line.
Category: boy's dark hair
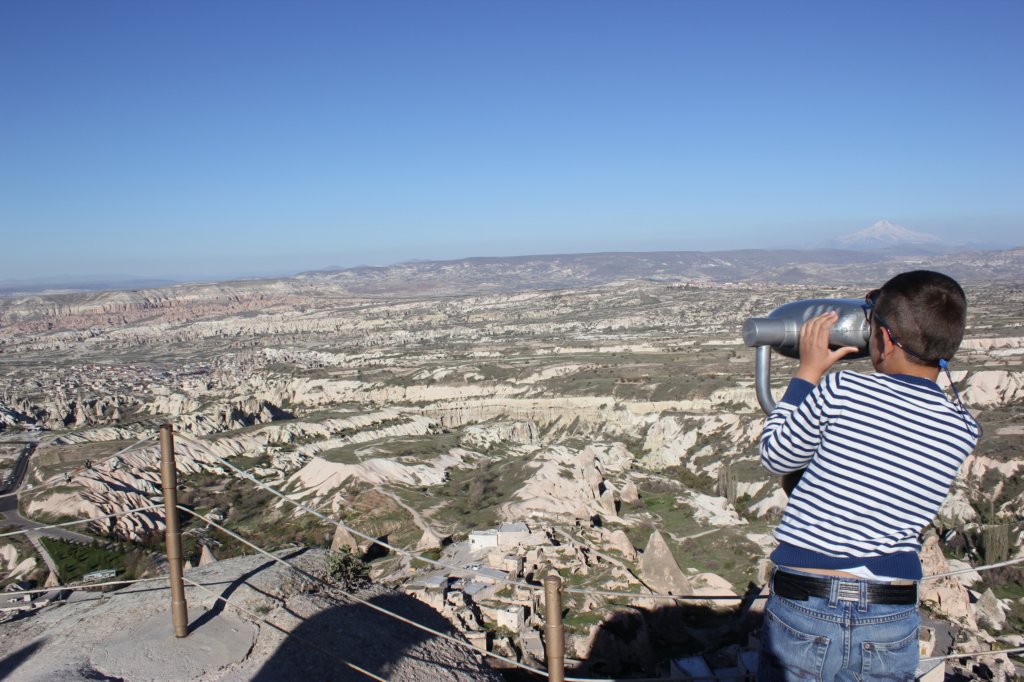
927,312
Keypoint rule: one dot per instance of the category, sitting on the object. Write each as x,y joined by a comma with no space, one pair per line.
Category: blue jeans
829,639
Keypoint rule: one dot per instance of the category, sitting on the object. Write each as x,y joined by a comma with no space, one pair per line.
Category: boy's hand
815,356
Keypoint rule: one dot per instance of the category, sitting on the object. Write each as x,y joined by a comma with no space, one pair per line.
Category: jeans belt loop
849,591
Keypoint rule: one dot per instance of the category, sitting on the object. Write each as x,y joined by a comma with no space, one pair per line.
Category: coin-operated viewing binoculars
781,331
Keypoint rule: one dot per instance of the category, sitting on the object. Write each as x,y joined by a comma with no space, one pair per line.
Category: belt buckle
848,591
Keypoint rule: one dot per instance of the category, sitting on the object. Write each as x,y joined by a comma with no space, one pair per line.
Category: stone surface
946,596
129,635
989,611
659,568
620,541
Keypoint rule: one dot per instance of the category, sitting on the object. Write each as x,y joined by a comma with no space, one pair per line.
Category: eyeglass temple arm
763,378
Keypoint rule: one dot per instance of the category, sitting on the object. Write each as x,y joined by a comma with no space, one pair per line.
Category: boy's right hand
815,356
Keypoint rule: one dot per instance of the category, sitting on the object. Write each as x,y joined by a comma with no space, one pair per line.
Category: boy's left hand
815,356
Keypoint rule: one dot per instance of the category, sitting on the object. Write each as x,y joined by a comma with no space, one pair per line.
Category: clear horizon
201,141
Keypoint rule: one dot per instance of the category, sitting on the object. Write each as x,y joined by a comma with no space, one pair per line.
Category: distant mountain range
819,266
866,256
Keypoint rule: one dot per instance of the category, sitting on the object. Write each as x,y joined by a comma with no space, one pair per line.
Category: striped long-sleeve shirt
880,452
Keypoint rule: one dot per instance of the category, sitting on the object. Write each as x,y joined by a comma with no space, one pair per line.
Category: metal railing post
169,482
554,641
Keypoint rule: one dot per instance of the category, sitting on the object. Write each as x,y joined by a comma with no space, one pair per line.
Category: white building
480,540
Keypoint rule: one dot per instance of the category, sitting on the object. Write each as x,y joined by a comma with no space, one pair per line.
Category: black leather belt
800,587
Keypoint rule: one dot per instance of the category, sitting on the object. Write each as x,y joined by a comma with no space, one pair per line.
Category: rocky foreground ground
128,634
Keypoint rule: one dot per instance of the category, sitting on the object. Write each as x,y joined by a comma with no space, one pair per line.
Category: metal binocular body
781,331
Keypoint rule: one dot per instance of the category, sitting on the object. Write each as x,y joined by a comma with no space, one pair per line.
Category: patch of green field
474,494
422,448
74,560
57,459
726,552
579,622
245,462
377,515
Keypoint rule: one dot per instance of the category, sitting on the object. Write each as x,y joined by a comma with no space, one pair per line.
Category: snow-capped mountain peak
884,233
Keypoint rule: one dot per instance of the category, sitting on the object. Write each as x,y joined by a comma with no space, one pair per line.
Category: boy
880,452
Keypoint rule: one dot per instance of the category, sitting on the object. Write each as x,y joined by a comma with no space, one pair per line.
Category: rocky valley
594,417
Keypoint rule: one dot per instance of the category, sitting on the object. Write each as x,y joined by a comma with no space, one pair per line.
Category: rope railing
963,571
974,654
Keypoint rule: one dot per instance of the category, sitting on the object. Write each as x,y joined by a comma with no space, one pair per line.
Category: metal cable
961,571
86,586
60,479
26,531
974,654
366,603
287,633
688,678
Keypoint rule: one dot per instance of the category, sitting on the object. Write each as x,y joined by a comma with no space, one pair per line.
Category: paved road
9,505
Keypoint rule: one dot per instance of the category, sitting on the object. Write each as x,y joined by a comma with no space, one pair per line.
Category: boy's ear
888,347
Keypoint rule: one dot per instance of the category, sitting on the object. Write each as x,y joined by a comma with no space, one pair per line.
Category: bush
348,569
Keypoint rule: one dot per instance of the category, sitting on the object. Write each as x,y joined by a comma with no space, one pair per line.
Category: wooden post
169,483
554,640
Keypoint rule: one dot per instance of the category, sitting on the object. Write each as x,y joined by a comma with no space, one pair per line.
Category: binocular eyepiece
781,330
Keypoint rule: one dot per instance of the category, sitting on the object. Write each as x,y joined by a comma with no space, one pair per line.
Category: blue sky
217,139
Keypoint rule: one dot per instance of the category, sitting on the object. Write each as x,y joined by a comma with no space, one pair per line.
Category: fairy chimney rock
620,541
660,570
990,611
343,538
593,479
629,494
206,557
606,503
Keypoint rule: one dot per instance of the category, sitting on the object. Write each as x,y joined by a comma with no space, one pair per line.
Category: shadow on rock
218,605
358,635
639,641
12,661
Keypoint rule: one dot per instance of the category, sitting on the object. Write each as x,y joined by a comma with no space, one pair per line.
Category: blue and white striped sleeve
793,430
